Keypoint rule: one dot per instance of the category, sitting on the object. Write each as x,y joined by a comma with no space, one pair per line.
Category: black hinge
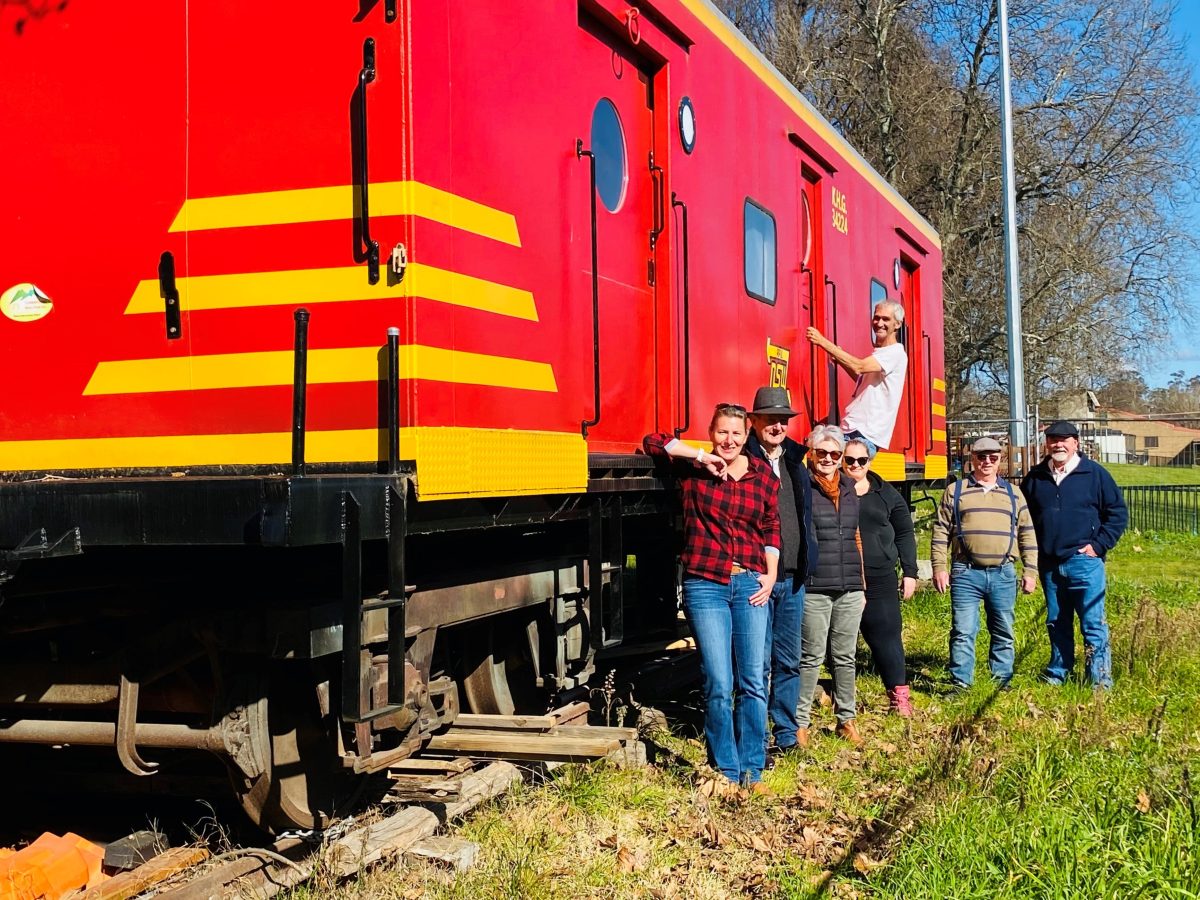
166,287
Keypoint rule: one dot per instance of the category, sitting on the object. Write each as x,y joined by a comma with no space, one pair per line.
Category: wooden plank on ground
524,746
426,766
597,731
511,723
136,881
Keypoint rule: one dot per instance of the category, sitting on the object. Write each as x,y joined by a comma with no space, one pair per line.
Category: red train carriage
558,209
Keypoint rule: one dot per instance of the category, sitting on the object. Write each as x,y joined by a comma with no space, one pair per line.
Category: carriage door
812,391
615,123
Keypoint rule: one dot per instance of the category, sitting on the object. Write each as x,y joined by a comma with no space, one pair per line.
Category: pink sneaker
900,702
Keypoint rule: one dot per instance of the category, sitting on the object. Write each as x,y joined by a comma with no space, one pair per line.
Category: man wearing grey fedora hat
768,441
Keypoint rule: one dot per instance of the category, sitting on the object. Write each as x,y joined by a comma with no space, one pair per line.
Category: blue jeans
997,589
781,666
1076,585
731,636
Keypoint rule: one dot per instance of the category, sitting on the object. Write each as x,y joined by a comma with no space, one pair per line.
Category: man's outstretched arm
853,364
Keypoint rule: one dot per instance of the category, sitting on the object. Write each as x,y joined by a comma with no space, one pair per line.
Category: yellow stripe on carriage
938,409
323,204
344,365
939,385
450,462
335,285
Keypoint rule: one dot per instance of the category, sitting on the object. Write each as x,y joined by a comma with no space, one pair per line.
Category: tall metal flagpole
1012,274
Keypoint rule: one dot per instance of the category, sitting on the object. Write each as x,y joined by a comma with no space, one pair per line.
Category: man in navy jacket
1079,515
769,441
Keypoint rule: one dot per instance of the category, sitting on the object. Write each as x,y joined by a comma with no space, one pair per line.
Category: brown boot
802,738
760,789
849,731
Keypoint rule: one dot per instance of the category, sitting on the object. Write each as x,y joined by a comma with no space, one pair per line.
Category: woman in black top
887,535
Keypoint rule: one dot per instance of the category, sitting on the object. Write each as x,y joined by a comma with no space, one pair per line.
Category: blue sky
1185,354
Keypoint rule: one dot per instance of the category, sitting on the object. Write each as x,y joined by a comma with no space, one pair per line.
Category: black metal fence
1164,507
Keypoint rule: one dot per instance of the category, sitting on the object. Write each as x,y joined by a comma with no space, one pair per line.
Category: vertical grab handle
580,153
928,389
687,324
810,396
658,178
366,75
834,414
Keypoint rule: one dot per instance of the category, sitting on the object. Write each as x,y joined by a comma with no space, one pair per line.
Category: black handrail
588,423
928,386
834,416
658,179
170,294
687,322
366,75
299,390
810,396
393,401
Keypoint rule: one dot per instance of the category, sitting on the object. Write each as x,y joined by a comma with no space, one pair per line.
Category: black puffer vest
839,562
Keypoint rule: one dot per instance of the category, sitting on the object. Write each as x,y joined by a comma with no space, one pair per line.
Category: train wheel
500,678
300,783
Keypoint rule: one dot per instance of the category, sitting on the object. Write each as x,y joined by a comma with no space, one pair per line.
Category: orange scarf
830,487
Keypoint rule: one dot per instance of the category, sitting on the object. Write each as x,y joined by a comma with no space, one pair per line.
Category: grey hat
1062,428
772,401
985,445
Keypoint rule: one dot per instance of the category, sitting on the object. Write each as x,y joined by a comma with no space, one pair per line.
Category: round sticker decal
25,303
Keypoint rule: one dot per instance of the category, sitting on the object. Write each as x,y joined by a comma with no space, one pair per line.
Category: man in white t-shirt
871,412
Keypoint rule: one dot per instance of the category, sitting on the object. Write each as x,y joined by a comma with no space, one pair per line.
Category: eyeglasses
988,457
734,407
835,455
857,460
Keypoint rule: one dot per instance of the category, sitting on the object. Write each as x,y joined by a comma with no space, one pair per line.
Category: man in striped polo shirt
982,525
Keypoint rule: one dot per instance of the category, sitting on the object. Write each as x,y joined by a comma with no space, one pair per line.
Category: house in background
1146,440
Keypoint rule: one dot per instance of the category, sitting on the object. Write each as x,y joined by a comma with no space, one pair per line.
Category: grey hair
856,440
826,433
896,307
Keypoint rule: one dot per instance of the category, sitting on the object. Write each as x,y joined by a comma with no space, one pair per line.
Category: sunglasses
988,457
857,460
735,407
835,455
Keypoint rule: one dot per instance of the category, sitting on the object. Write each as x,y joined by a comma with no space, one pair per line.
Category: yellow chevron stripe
323,204
938,409
451,462
740,46
936,467
336,285
889,466
939,385
350,364
938,434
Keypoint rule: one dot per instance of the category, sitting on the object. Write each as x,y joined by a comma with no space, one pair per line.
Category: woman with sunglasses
887,536
730,556
834,591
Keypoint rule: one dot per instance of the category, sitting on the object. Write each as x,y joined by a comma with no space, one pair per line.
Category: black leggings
881,629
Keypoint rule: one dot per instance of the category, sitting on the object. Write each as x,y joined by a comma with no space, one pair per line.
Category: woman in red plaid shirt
730,555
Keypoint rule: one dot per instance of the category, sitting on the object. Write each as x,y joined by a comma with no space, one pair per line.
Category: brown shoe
849,731
760,789
802,738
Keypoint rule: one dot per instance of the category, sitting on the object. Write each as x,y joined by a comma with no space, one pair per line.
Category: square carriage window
759,234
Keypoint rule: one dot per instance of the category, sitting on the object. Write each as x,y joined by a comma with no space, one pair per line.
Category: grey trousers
830,624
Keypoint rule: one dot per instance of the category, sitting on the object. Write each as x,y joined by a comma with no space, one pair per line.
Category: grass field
1127,473
1038,792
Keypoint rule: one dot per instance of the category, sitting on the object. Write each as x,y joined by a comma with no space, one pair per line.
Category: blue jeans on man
781,667
731,636
1076,585
996,589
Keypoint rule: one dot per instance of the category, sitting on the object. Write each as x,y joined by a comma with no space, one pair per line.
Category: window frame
748,202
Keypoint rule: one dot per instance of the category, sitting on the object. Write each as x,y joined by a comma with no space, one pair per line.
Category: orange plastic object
49,868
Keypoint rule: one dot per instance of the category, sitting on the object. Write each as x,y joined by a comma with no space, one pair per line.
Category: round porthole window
608,144
687,124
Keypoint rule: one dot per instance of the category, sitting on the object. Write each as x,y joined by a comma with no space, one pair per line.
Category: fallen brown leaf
626,861
1143,802
865,865
759,844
